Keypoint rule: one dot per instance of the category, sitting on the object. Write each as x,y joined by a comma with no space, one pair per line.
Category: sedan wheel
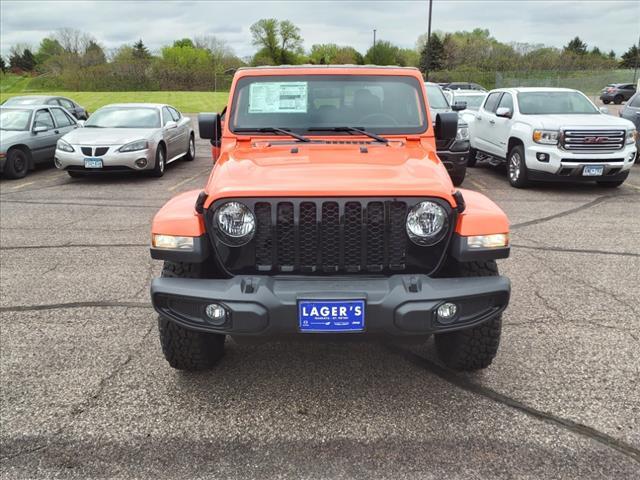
191,152
158,170
17,164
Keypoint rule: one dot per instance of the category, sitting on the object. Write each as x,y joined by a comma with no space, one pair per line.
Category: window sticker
278,97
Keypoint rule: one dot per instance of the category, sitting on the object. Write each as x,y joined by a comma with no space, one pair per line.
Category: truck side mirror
504,112
458,106
446,126
210,127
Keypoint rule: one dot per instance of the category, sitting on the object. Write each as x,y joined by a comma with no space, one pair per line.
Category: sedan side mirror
170,125
604,110
446,126
459,106
504,112
40,128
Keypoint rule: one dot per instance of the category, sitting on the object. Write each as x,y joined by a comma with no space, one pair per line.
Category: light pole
635,70
426,73
373,52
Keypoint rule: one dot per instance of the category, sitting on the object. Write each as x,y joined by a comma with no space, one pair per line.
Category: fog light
141,162
447,312
57,162
542,157
216,313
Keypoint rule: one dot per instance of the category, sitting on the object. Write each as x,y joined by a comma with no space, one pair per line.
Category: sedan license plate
331,316
92,163
593,170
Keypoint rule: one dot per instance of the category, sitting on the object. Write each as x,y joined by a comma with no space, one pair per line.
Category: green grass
191,102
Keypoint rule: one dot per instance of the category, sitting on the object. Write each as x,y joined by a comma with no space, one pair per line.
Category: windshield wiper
359,130
283,131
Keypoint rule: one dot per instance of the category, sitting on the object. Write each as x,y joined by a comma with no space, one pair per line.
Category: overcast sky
605,23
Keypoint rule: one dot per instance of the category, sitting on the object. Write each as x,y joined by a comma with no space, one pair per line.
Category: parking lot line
186,180
18,187
477,184
637,187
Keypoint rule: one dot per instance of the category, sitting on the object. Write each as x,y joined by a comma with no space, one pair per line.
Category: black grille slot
330,224
100,151
308,231
86,151
353,236
264,244
286,237
397,236
375,236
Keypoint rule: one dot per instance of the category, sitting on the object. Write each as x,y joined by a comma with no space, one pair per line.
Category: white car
127,137
552,134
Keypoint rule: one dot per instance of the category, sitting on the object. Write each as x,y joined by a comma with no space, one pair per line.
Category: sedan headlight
64,146
426,223
632,136
462,133
236,223
134,146
547,137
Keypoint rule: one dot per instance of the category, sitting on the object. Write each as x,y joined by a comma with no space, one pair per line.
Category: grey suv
617,92
631,111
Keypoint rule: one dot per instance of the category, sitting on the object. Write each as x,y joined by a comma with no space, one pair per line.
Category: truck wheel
471,161
459,178
517,167
618,99
191,151
158,169
17,164
186,349
476,347
606,102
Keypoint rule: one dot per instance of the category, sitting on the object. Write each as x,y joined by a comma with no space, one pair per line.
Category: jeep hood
322,170
108,136
587,121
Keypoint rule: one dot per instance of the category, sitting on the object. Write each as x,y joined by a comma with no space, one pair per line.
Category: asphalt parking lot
86,393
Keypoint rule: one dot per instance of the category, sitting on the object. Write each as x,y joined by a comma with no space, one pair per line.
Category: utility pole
426,73
373,52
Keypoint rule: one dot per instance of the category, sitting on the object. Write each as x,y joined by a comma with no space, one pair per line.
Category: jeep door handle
56,131
492,122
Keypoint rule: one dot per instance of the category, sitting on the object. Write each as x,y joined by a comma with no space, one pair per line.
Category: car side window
43,119
166,116
68,104
51,101
491,103
175,114
506,102
635,101
62,119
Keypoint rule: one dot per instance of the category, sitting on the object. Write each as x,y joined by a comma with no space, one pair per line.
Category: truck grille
593,140
330,236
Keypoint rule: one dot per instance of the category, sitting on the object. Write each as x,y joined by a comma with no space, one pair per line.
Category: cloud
609,25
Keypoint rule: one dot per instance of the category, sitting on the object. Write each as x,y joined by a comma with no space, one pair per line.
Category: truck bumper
399,305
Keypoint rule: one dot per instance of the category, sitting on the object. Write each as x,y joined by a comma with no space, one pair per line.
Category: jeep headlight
426,223
236,223
547,137
462,133
134,146
64,146
632,136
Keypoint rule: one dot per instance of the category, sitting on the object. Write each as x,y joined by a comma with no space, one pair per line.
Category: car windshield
25,101
436,98
14,119
473,101
554,103
125,117
310,103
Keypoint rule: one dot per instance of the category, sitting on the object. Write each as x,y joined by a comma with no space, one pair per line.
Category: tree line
70,59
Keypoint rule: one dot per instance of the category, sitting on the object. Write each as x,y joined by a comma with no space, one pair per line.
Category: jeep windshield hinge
460,205
202,197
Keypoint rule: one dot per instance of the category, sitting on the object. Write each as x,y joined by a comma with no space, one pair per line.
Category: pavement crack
101,205
75,245
62,306
491,394
24,452
574,250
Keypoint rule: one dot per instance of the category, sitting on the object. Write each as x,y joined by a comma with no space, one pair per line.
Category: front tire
473,157
618,99
161,161
191,150
517,168
17,163
473,348
458,178
606,102
186,349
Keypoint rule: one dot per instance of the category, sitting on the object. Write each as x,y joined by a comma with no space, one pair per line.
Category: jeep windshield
555,103
311,104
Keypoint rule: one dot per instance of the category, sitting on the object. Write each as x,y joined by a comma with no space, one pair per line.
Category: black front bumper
574,176
398,305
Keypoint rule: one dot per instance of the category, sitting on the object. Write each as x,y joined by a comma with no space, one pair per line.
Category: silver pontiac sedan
127,137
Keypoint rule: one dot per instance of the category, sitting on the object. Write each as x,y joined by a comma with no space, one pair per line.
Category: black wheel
191,151
161,161
74,174
458,178
517,167
618,99
473,157
606,102
17,163
476,347
186,349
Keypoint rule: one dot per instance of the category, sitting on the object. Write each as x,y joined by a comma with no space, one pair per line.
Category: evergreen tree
612,55
576,46
28,60
3,66
432,54
631,58
140,51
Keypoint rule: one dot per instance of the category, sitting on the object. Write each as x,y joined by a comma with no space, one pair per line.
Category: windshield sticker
278,97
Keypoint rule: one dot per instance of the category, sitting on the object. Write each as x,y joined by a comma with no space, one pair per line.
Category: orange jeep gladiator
328,212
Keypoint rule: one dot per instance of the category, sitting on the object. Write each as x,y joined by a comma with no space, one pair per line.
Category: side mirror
210,127
604,110
459,106
40,128
80,123
170,125
446,125
504,112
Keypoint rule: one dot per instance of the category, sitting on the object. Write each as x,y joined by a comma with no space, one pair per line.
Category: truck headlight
171,242
632,136
64,146
426,223
547,137
236,223
462,133
134,146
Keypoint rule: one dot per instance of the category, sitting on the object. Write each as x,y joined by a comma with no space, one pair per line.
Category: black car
76,110
631,111
617,92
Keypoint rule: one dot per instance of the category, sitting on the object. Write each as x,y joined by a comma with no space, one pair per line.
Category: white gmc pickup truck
552,134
